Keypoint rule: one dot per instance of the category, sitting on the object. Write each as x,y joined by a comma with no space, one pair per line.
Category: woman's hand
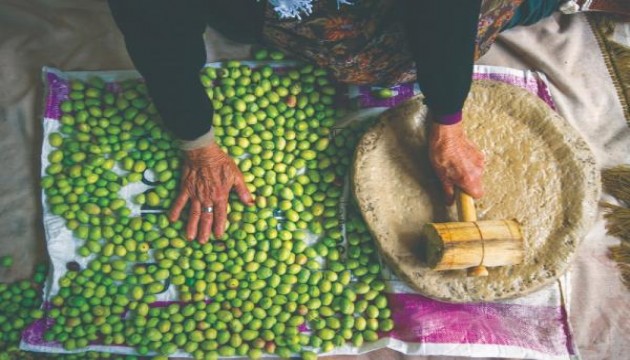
208,175
456,160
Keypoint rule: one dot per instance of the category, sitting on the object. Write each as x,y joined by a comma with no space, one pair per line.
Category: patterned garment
364,43
617,7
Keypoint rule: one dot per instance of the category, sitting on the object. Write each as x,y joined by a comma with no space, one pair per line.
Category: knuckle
218,192
476,175
466,178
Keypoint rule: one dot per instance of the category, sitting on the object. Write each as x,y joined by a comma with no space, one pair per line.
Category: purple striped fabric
533,84
367,99
56,92
421,320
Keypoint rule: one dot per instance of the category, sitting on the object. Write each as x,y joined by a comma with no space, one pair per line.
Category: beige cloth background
80,35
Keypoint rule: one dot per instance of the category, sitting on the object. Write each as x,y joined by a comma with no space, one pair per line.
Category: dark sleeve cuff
448,119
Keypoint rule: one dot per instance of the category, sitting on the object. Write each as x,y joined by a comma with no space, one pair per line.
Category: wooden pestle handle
466,212
465,206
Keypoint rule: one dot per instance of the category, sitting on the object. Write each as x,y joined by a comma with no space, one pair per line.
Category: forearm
441,37
164,41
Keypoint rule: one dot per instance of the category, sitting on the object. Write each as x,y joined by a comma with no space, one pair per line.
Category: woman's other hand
456,160
208,175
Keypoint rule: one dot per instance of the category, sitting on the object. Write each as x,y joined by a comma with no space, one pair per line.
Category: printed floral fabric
364,43
495,14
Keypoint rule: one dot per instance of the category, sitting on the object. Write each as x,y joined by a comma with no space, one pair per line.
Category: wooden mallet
471,244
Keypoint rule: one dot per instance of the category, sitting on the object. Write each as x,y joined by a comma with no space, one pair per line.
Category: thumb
472,186
476,191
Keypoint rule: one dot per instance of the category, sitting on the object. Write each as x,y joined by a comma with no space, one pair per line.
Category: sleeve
441,36
164,39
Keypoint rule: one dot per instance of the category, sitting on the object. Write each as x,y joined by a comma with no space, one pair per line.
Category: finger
480,162
472,186
220,215
449,192
205,226
193,219
178,205
475,190
242,191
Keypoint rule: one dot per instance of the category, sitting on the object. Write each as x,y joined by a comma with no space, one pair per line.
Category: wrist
446,131
203,141
201,153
